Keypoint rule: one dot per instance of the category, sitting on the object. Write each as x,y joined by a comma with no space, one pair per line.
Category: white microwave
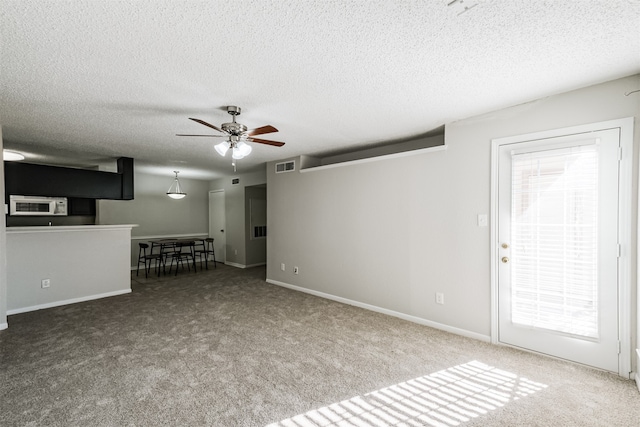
37,206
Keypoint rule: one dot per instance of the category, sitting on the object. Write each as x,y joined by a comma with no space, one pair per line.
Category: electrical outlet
295,270
282,267
45,283
439,298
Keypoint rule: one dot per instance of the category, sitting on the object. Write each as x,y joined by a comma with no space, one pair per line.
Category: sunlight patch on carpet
446,398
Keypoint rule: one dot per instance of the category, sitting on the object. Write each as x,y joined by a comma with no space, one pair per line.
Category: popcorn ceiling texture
91,80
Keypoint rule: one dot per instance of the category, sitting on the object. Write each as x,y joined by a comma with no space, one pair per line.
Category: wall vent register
289,166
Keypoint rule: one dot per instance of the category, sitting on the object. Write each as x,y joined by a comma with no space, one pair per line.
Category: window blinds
554,240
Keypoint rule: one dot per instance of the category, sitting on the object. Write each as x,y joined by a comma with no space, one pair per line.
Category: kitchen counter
65,228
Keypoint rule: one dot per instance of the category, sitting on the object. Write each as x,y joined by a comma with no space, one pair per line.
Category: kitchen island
49,266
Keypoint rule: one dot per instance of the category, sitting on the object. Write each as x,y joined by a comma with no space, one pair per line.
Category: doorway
217,223
557,245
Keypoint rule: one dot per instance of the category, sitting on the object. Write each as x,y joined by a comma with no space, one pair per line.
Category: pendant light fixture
175,191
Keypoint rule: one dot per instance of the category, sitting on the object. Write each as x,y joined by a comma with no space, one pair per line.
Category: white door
557,249
217,223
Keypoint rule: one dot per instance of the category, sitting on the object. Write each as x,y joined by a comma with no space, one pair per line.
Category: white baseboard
3,326
377,309
638,368
256,265
235,264
68,301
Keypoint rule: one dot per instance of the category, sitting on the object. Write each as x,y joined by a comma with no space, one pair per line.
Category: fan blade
202,122
262,130
266,141
210,136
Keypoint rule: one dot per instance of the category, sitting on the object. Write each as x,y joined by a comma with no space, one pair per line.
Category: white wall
3,252
368,233
236,228
156,214
393,233
82,262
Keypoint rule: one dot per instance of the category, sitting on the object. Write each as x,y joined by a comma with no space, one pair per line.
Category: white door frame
624,229
224,246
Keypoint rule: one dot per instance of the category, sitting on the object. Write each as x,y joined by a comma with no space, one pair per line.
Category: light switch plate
482,220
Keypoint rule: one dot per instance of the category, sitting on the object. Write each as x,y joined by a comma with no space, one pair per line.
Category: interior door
217,221
558,247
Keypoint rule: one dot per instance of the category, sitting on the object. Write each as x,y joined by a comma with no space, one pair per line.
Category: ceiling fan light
237,153
222,148
244,148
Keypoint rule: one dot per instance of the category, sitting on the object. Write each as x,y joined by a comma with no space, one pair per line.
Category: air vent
289,166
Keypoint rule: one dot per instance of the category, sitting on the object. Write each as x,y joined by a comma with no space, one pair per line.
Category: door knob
505,246
505,259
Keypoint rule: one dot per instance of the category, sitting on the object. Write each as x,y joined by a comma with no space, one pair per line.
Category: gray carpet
224,348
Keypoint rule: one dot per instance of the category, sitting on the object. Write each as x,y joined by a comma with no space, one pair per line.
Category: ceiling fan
237,135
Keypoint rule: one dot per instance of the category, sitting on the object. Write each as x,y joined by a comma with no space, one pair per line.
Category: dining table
169,246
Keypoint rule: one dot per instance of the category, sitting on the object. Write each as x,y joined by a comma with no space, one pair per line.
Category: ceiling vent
289,166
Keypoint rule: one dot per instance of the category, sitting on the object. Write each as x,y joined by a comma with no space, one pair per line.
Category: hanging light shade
222,148
236,155
12,155
241,150
175,191
245,149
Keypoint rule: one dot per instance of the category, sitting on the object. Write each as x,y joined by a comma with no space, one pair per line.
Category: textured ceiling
87,81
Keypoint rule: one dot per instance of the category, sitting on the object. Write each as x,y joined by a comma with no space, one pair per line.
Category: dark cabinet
81,206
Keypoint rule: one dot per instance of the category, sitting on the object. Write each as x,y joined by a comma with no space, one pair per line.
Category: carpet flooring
224,348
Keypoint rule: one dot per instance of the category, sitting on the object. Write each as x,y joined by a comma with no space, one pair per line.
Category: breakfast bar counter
48,266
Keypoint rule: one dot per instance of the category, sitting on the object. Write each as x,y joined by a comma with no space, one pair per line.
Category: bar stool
165,248
180,255
146,259
207,249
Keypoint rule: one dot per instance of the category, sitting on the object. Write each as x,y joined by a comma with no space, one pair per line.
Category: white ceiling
87,81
